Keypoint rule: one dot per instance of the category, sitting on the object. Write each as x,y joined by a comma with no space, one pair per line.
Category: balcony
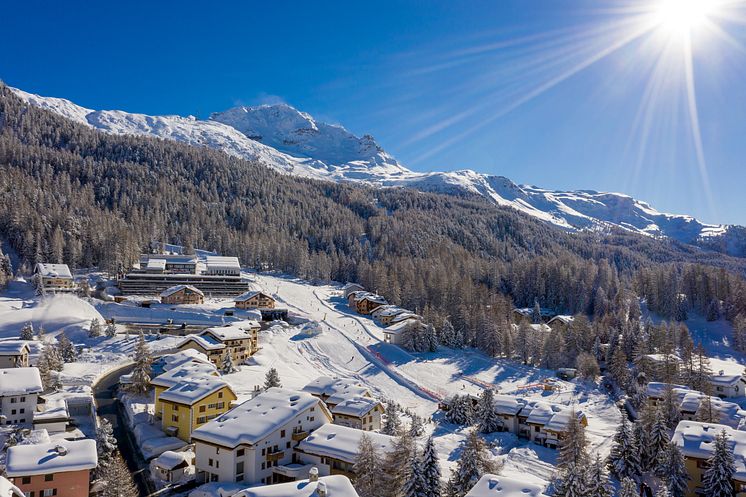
275,456
297,437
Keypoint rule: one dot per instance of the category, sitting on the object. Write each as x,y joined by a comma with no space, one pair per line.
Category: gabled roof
223,333
191,390
562,319
251,294
341,442
335,486
396,328
328,386
177,288
507,404
404,316
697,440
358,406
184,372
205,342
20,381
372,297
53,270
172,460
54,457
13,347
503,486
346,393
256,419
181,357
387,310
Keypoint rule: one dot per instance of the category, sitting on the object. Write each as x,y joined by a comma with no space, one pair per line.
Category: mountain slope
293,142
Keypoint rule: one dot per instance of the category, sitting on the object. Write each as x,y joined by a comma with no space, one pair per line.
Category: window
220,395
217,464
282,433
26,480
13,400
240,452
175,418
13,411
202,408
221,405
312,418
48,477
287,445
23,399
239,468
209,462
264,465
201,420
264,451
22,411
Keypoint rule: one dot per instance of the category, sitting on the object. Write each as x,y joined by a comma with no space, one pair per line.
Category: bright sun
680,17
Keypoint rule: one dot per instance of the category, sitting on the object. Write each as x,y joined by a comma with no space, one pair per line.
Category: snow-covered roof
352,285
335,486
171,459
183,372
224,333
251,294
397,327
218,262
177,288
507,404
342,442
564,319
53,270
20,381
722,378
54,457
728,413
159,264
554,417
503,486
169,258
387,311
257,418
181,357
191,390
13,347
348,392
357,406
7,489
372,297
697,440
657,389
327,386
400,318
206,342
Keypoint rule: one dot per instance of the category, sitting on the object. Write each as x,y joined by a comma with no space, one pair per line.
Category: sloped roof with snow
181,357
53,270
13,347
224,333
401,317
335,486
170,459
508,404
562,319
159,264
216,262
387,310
191,390
177,288
328,386
357,406
397,327
206,342
54,457
184,372
258,418
341,442
251,294
697,440
348,392
503,486
20,381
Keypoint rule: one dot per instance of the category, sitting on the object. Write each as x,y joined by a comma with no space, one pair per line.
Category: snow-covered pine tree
473,463
415,427
487,417
523,342
642,439
272,379
657,441
117,479
536,313
713,310
106,444
66,348
705,413
228,366
430,469
141,373
367,468
718,477
447,336
673,471
111,329
27,332
40,333
670,407
618,369
94,330
597,479
702,371
414,482
573,482
628,488
587,366
397,466
573,446
431,338
460,410
623,461
663,492
392,422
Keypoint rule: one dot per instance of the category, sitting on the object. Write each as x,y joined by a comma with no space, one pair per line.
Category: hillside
293,142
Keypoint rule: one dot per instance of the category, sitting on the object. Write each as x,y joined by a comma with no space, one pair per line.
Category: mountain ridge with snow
293,142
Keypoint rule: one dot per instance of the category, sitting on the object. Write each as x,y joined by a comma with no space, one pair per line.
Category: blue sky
544,92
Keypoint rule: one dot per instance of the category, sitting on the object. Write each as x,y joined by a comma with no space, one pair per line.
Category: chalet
171,466
351,287
405,316
172,377
696,441
362,413
7,489
689,402
19,395
207,345
503,486
171,361
247,443
507,408
54,277
59,468
335,390
14,354
254,300
544,423
325,486
728,386
333,449
193,402
386,313
182,294
365,302
561,322
241,340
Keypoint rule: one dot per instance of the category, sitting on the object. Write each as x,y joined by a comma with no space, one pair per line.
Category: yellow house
187,371
697,443
14,354
191,403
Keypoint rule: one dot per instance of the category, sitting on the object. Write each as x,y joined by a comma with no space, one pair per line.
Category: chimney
62,451
321,489
313,474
